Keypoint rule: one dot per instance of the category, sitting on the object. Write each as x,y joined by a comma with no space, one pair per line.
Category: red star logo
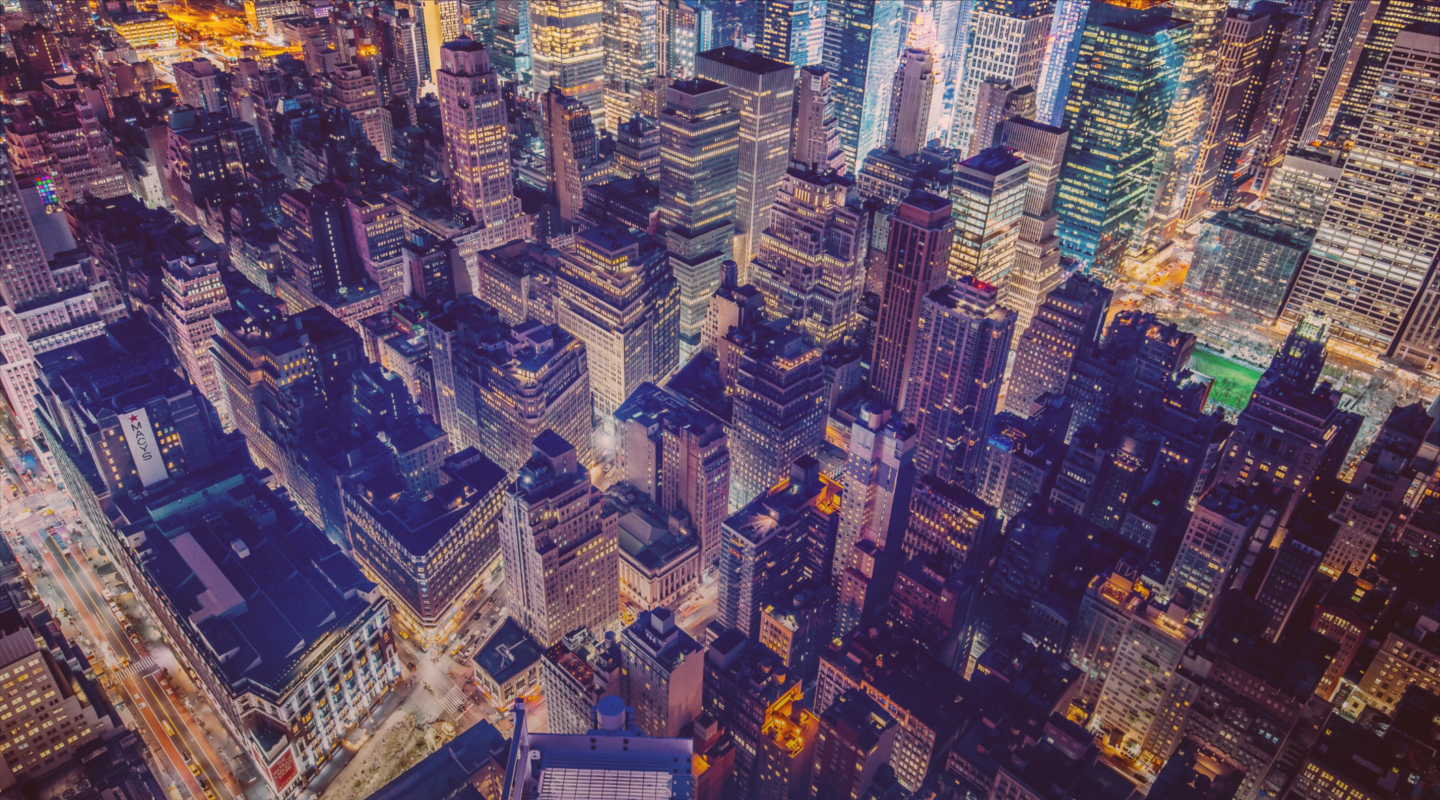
134,417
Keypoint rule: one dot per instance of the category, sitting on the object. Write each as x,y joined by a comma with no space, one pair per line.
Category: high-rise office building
1372,275
1337,52
1128,650
57,722
910,97
1006,42
997,102
1225,523
1300,187
1247,84
1067,23
199,85
1120,97
988,197
664,673
1184,127
27,280
680,456
379,237
783,29
810,261
862,46
856,737
815,140
762,90
779,408
1372,61
637,149
571,149
1037,270
615,292
631,56
194,294
962,343
534,379
1292,430
1069,321
431,550
917,255
318,243
878,479
686,27
561,555
567,50
1376,495
477,140
699,162
1245,262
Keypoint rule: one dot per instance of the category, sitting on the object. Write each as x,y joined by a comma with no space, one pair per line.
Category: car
170,729
195,769
411,665
209,795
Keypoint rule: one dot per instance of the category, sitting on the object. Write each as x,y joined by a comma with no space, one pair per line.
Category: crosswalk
139,668
450,698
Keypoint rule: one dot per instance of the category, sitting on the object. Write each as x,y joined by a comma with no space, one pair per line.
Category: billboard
144,450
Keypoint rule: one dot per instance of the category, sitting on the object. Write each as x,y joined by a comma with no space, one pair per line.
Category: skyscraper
784,30
815,141
1006,42
616,293
1037,267
762,90
699,159
26,279
1300,188
1069,321
664,672
862,46
1226,520
1338,51
910,103
572,149
878,479
535,379
1246,84
630,56
1292,430
1067,22
1127,649
194,294
1120,96
916,257
1184,128
1371,62
561,556
988,197
809,262
567,50
779,414
962,343
477,141
1372,274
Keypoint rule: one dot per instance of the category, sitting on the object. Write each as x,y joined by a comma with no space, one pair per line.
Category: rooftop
509,652
255,583
747,60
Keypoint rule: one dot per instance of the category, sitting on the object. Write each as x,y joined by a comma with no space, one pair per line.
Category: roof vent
240,548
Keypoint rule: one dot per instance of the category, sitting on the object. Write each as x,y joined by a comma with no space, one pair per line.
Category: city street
134,674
